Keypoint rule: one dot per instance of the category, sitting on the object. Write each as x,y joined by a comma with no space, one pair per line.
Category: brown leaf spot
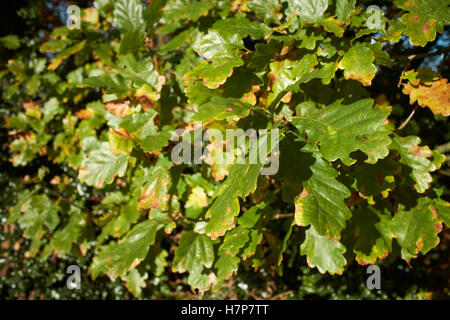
146,102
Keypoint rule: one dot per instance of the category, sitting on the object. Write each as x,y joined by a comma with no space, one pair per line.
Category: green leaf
324,254
157,258
241,242
283,245
199,94
176,42
104,6
415,157
63,239
263,54
51,109
343,129
443,210
197,180
128,15
223,48
194,253
116,83
330,24
197,200
216,73
102,166
155,142
226,265
39,216
140,124
321,203
241,181
267,10
153,13
309,10
377,179
141,72
219,108
41,211
117,258
242,27
119,142
291,153
226,206
370,243
155,194
254,220
218,45
135,282
357,64
131,42
186,9
11,42
416,229
425,18
344,9
60,57
228,260
118,226
23,201
284,74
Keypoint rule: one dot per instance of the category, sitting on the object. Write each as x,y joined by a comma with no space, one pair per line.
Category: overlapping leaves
343,129
255,64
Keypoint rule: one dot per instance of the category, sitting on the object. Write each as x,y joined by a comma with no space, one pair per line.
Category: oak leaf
435,96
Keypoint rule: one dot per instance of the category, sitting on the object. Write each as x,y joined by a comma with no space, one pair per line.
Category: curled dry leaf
118,108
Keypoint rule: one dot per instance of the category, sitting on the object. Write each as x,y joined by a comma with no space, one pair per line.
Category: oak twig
405,123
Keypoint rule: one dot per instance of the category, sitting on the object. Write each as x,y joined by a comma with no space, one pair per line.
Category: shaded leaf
117,258
416,230
415,157
321,203
242,27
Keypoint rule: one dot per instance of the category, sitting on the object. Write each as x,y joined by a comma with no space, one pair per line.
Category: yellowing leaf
155,193
358,64
435,96
32,109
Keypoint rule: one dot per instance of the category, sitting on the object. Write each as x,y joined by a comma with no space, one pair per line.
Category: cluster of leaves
102,102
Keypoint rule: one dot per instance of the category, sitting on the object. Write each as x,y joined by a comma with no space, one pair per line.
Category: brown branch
282,215
444,60
421,55
405,123
282,295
